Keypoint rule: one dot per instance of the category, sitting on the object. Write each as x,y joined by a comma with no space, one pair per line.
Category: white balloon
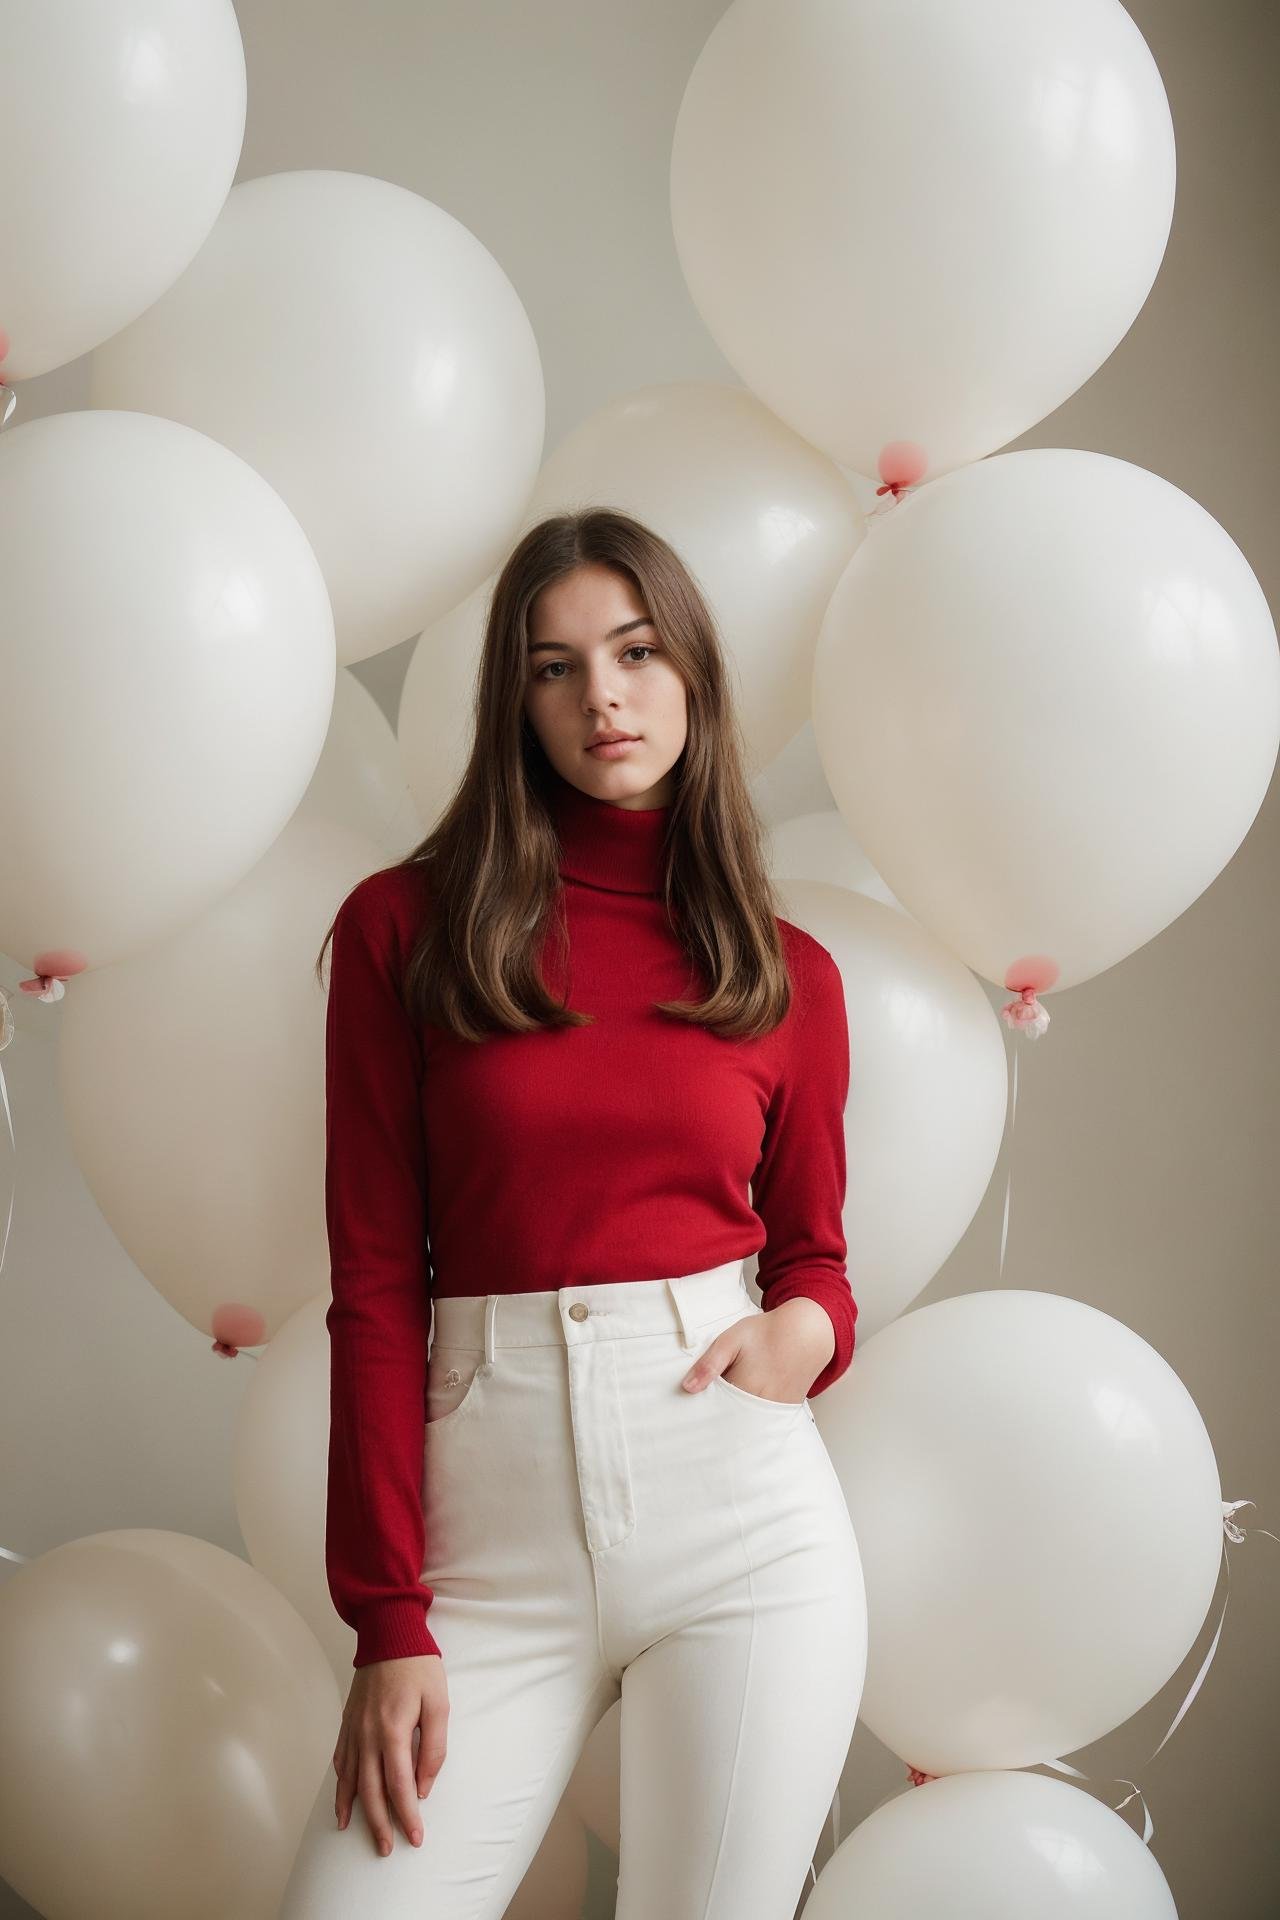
921,222
594,1785
1047,702
1039,1514
819,846
358,782
928,1087
167,1716
168,679
766,523
279,1473
435,724
361,348
992,1846
555,1881
121,132
192,1077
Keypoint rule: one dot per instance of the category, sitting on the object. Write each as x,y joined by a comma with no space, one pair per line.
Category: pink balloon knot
51,968
902,464
1026,1014
45,986
235,1325
918,1778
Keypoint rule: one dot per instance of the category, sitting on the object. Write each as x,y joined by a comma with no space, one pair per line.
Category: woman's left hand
777,1355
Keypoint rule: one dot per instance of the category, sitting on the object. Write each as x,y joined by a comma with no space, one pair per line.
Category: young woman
571,1457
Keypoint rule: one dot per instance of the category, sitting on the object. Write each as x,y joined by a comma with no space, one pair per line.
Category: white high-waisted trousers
595,1530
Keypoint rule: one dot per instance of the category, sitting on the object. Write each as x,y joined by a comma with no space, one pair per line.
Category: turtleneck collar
619,848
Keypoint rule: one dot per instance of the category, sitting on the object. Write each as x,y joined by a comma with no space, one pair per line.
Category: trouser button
578,1311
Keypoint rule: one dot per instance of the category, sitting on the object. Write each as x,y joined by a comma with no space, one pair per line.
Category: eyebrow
614,633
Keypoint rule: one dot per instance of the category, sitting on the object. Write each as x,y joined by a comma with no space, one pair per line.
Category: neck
604,845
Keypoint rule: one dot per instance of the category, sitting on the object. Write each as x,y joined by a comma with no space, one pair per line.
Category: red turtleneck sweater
618,1151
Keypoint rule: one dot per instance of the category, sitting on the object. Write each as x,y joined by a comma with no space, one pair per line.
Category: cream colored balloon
928,1086
193,1084
167,1720
117,151
1047,701
819,846
924,221
595,1784
435,726
1017,1843
360,347
168,679
555,1882
1039,1515
279,1469
359,782
766,523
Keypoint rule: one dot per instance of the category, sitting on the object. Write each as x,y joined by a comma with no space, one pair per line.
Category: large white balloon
922,222
192,1077
766,523
819,846
358,782
434,726
1047,701
167,1716
995,1845
594,1789
928,1086
280,1474
1039,1515
361,348
121,131
168,679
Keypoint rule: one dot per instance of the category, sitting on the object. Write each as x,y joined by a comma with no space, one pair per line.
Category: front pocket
755,1399
454,1379
749,1310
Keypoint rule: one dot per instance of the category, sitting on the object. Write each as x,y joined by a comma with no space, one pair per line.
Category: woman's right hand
374,1754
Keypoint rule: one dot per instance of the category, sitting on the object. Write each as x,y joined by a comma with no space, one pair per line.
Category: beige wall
1147,1139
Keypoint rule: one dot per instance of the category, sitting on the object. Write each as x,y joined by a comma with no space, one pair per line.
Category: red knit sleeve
379,1318
798,1188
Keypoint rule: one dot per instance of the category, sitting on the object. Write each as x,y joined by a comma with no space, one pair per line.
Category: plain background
1145,1158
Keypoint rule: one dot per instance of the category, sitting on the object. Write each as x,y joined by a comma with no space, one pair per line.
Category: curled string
6,1035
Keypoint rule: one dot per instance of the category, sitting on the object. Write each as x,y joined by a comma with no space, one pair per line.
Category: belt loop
490,1309
686,1332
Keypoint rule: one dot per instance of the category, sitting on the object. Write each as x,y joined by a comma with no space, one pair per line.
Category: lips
610,739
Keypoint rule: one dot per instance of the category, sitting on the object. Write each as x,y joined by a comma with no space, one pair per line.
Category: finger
721,1353
433,1730
342,1794
397,1767
373,1798
346,1792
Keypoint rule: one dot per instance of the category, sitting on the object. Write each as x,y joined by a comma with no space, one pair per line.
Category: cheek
667,699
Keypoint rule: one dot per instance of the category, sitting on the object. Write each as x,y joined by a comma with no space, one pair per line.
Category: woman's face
597,665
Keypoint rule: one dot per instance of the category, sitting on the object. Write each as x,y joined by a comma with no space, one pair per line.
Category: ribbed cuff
837,1301
393,1630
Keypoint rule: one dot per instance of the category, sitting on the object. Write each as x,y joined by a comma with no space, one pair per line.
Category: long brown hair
493,855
